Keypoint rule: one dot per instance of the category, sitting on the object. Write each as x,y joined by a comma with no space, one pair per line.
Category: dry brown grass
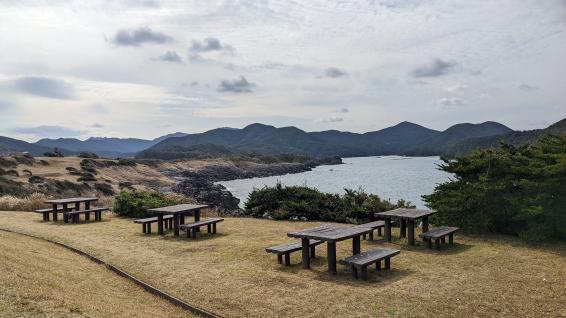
29,203
232,275
40,279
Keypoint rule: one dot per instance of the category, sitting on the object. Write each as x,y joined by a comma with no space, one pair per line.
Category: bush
136,203
36,179
512,190
89,155
104,189
127,162
300,202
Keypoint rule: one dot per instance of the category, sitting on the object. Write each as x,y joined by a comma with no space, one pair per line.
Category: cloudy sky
144,68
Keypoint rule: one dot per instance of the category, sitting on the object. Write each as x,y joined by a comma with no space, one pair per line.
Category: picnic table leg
54,212
371,235
411,232
182,219
65,210
306,252
451,239
388,229
403,228
331,255
197,218
159,224
356,245
379,231
280,258
176,224
425,224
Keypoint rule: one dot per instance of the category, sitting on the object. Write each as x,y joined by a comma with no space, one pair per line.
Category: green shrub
304,203
136,203
127,162
512,190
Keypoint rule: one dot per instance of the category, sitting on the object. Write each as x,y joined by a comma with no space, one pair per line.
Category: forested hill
402,139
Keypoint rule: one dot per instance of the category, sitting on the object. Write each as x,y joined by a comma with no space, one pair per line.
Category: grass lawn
230,273
41,279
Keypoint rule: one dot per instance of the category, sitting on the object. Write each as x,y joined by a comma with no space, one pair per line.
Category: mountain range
402,139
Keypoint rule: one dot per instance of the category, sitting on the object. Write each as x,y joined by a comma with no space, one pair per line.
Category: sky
145,68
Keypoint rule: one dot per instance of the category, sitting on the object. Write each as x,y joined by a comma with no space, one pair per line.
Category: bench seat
74,215
287,249
146,223
439,236
193,227
45,212
361,261
373,225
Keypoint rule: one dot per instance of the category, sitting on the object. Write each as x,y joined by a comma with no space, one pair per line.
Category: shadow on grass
421,247
344,274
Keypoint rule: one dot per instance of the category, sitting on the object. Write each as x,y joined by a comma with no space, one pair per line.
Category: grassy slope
232,275
40,279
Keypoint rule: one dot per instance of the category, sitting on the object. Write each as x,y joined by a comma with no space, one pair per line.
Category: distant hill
107,147
403,138
514,138
10,145
441,142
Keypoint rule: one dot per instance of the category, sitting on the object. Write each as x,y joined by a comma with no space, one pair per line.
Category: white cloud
459,50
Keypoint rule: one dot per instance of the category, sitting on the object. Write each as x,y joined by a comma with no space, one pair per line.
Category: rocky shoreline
200,184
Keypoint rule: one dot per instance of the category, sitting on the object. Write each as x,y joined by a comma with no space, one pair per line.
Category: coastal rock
205,191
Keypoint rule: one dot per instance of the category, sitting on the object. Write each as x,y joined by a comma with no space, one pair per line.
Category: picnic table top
331,232
71,200
405,213
179,208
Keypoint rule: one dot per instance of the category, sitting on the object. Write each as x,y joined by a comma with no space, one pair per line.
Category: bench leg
378,266
364,270
387,263
194,232
214,228
45,216
287,259
437,244
209,228
443,240
166,224
279,258
355,272
182,219
429,243
313,251
371,235
143,228
451,239
148,225
87,216
425,224
364,236
188,233
403,228
379,231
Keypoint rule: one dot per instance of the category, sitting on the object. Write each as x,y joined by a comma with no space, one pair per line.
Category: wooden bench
373,225
287,249
361,261
46,212
75,215
439,235
193,227
146,223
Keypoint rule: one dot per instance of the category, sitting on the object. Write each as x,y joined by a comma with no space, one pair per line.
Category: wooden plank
405,213
291,247
71,200
371,256
439,232
179,208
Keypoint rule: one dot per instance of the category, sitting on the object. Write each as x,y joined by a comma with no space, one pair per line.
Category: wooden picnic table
178,211
407,218
330,233
65,204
